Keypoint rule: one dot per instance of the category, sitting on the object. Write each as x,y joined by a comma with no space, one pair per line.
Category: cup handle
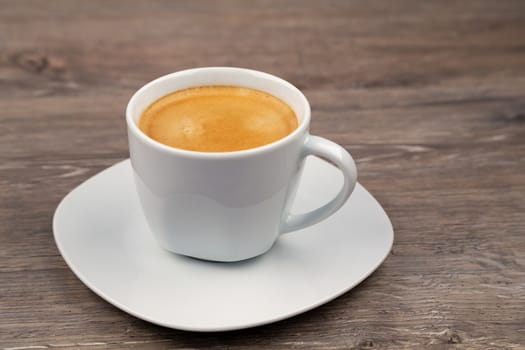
332,152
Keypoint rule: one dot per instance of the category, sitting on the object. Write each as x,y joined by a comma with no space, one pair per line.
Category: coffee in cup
218,118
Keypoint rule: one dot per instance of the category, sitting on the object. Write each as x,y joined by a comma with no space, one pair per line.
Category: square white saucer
101,233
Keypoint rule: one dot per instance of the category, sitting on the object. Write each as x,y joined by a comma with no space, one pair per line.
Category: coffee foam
218,119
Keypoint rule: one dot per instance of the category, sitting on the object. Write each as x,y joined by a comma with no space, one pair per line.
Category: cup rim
302,128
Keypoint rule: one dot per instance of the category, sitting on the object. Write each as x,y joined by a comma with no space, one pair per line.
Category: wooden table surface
429,97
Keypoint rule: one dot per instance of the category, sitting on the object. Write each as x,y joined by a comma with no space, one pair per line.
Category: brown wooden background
429,96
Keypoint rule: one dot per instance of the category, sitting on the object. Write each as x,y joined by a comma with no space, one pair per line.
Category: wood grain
429,96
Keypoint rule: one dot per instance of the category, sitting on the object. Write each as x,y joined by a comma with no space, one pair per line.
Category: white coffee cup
227,206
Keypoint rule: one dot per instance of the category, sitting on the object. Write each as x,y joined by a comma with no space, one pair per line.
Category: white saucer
100,231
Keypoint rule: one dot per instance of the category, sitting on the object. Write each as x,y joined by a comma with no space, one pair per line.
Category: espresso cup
228,206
